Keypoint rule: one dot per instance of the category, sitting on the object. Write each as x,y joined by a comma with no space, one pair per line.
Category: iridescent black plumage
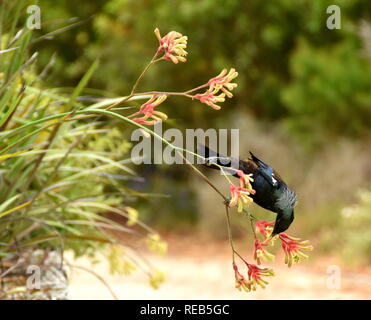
272,193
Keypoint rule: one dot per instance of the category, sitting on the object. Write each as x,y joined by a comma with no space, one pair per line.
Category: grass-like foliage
62,169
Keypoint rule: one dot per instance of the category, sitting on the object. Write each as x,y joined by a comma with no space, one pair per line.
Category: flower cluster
132,215
260,251
173,46
221,82
156,279
155,244
255,277
210,98
293,248
245,179
240,195
149,115
264,228
118,262
241,282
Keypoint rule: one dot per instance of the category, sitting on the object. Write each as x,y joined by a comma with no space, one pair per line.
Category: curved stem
242,258
230,232
153,60
132,93
202,176
101,279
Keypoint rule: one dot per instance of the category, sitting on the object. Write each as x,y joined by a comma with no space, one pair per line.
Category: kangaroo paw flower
210,98
241,282
245,179
293,248
223,82
240,196
255,276
150,116
173,46
264,228
261,253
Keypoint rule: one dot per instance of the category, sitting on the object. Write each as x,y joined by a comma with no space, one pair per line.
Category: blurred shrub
328,82
329,92
354,233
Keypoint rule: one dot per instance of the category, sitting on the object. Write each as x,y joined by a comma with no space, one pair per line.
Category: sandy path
192,274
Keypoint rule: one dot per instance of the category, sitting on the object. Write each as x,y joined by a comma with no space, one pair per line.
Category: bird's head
283,221
285,210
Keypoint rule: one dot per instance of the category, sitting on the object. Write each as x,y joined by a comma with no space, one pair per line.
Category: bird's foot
227,201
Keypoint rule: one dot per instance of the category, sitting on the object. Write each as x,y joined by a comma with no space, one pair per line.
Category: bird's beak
283,221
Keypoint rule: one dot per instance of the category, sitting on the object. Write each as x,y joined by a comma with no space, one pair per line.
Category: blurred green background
303,103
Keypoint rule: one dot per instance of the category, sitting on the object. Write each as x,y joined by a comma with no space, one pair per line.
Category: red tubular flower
144,121
223,82
241,282
255,276
265,228
261,252
210,98
293,248
150,116
240,196
245,179
173,45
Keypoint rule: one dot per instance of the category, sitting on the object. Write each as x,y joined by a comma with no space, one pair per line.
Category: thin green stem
230,231
234,251
132,93
153,61
200,174
197,88
252,227
163,93
242,258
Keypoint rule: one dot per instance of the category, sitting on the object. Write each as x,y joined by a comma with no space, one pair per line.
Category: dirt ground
202,270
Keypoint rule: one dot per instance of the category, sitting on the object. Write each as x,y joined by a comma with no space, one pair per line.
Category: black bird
272,193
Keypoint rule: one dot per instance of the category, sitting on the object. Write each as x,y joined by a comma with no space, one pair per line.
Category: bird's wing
266,171
248,166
